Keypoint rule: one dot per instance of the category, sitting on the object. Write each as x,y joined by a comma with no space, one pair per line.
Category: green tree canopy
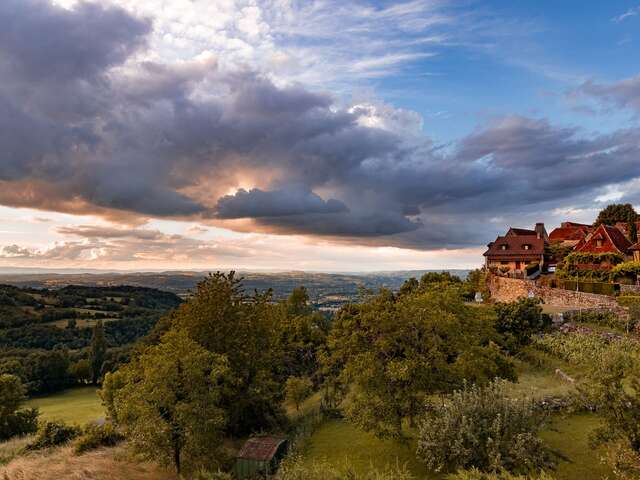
246,330
394,351
615,213
171,401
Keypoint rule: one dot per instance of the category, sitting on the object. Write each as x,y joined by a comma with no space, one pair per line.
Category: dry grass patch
103,464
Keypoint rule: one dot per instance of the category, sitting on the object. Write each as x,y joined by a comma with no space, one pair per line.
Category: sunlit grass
77,405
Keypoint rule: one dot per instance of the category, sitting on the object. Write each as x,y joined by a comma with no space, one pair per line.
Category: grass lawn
77,405
570,436
338,442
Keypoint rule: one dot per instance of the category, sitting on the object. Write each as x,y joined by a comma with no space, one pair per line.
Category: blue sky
317,134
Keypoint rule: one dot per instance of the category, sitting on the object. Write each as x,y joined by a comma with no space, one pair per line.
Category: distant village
596,253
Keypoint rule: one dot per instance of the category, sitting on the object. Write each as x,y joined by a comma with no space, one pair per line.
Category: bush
19,423
96,436
518,321
482,427
52,434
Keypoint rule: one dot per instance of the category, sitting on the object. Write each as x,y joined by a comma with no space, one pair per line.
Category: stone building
511,253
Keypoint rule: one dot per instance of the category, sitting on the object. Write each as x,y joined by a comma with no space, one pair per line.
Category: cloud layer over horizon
94,122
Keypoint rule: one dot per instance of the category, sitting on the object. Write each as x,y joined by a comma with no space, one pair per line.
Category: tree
98,350
615,213
297,390
483,427
14,422
169,401
395,351
12,393
519,320
81,371
245,329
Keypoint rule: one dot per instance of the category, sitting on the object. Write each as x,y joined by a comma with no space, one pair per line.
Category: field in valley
77,405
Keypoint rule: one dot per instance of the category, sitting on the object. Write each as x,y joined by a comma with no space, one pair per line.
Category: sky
320,135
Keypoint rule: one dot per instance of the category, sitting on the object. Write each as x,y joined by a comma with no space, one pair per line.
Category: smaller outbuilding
260,456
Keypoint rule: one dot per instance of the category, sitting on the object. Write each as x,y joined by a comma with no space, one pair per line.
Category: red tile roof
261,448
515,247
615,241
568,233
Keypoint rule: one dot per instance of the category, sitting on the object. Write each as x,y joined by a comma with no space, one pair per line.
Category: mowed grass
339,442
77,405
570,436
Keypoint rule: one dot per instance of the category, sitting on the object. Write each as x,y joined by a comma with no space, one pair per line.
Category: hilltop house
605,239
569,234
511,253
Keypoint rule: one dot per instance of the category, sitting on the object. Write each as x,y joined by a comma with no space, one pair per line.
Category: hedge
590,287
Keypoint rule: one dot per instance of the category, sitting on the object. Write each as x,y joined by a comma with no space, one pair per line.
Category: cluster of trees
223,363
218,369
48,371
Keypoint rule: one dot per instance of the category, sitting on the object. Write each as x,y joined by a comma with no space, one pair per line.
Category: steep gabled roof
617,240
515,247
561,234
635,246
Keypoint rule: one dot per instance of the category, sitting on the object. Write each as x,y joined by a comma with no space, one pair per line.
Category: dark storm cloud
42,42
257,203
86,128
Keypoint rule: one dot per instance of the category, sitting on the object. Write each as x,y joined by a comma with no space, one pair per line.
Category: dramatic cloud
91,122
256,203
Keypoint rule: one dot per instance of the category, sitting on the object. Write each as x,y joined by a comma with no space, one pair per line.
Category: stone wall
510,289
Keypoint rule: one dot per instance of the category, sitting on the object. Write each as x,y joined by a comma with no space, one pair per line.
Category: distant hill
327,290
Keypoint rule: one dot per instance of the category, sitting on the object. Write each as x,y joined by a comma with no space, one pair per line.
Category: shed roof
261,448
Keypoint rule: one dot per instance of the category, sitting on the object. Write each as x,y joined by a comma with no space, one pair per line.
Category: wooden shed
260,456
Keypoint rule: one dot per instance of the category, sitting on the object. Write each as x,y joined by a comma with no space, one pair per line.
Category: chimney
541,232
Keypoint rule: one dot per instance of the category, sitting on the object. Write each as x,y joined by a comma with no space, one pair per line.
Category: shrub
96,436
19,423
205,475
52,434
297,389
482,427
518,321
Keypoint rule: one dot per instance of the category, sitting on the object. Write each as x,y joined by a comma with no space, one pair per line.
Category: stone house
512,252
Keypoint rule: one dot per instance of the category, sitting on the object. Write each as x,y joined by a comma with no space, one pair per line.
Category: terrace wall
510,289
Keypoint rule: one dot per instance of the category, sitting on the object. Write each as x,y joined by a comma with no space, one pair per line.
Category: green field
339,442
77,405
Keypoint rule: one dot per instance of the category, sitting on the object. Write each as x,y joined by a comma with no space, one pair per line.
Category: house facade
605,239
512,252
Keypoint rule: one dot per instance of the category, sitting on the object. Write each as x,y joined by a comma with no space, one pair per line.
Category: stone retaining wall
510,289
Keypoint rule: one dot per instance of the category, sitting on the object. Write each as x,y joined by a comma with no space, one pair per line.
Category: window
504,263
503,246
599,242
526,246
